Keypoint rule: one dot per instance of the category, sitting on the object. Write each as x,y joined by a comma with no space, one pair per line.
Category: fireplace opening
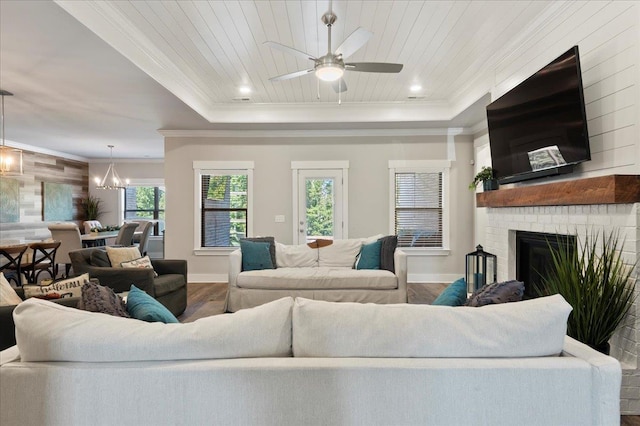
534,260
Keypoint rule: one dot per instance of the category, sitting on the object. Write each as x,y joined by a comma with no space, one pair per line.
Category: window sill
214,251
423,251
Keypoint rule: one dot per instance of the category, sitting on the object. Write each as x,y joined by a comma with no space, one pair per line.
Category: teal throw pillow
255,255
454,295
369,256
144,307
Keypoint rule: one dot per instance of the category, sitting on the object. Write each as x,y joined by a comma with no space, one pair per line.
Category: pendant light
10,157
111,180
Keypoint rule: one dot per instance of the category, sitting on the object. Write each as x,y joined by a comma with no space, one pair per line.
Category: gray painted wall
368,191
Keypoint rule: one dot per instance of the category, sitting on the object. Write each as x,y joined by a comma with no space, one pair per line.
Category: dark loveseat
168,288
7,327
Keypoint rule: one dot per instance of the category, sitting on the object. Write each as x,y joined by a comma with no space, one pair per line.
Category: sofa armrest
235,267
400,266
170,266
120,279
606,376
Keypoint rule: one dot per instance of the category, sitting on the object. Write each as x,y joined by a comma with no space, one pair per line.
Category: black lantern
480,269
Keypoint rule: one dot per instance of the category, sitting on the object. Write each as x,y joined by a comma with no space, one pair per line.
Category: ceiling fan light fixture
329,72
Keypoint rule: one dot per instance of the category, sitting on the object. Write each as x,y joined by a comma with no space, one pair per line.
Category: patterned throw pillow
70,287
98,298
143,263
491,294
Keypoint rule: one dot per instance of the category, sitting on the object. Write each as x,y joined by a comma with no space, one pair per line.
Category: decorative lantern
480,269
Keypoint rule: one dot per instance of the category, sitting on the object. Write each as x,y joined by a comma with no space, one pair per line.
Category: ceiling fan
332,66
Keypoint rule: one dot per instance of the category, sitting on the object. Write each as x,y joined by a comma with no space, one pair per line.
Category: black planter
603,348
490,185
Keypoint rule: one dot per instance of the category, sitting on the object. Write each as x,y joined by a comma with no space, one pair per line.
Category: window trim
423,166
211,167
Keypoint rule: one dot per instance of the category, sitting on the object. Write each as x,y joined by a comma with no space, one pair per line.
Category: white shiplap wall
608,36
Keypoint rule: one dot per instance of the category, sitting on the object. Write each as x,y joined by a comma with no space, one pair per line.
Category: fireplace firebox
534,260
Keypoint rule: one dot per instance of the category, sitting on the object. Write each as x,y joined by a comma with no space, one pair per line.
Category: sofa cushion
117,255
99,258
272,246
320,278
502,292
98,298
46,331
342,253
454,295
144,307
255,255
369,257
167,283
8,296
298,256
531,328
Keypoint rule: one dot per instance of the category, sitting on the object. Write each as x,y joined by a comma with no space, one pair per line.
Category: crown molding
320,133
46,151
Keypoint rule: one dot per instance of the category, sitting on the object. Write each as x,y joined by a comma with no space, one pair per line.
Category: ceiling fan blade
373,67
355,41
291,75
339,85
289,50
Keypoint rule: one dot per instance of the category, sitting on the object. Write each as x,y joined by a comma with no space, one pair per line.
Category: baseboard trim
207,278
432,278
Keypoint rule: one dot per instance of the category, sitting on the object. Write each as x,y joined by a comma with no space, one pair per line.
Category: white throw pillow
8,296
70,287
342,253
299,256
117,255
47,331
520,329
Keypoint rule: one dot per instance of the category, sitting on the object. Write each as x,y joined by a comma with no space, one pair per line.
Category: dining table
94,239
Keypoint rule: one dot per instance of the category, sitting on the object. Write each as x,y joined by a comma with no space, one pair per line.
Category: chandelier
10,158
111,180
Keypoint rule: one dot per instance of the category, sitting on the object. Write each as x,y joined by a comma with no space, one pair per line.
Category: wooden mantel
612,189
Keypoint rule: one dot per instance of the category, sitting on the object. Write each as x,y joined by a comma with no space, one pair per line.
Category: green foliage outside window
319,207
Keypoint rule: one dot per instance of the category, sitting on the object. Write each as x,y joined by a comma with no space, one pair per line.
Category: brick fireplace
575,208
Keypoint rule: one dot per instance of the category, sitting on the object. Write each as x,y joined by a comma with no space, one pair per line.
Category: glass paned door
319,205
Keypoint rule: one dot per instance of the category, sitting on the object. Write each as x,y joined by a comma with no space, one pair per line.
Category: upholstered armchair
169,287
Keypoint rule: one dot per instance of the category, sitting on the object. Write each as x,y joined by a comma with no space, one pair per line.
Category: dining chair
12,267
43,259
144,237
69,236
125,235
90,224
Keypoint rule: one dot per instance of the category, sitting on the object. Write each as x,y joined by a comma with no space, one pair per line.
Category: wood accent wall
612,189
39,168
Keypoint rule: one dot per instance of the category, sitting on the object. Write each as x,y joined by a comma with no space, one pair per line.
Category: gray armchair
168,288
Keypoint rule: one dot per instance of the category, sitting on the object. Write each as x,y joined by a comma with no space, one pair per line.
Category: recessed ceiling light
415,88
244,90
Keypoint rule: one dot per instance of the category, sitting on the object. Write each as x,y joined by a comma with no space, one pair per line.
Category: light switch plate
279,218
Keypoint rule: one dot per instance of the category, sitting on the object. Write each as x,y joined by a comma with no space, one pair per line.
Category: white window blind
419,209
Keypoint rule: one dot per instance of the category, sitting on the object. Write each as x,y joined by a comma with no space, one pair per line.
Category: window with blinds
145,202
419,209
224,209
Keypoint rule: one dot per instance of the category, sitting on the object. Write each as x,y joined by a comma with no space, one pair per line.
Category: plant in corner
594,279
489,183
92,207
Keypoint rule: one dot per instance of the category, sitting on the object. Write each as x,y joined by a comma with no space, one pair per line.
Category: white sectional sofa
305,362
321,273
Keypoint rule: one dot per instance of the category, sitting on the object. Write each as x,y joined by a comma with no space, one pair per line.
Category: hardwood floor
204,300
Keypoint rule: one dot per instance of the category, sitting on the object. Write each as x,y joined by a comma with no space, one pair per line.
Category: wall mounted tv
539,128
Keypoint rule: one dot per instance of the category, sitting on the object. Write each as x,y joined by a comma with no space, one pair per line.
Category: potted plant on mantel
489,183
594,279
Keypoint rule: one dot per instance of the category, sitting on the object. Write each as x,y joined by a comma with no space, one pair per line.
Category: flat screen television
539,128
